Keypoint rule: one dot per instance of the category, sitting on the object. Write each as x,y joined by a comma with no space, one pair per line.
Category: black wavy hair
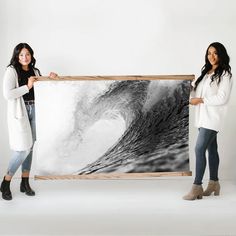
15,58
222,68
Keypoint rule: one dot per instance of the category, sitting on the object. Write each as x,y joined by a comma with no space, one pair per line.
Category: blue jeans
24,158
207,140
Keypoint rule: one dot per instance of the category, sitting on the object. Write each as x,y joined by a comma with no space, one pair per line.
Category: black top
23,80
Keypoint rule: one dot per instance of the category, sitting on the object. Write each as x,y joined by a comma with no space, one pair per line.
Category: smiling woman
25,58
18,90
213,58
210,95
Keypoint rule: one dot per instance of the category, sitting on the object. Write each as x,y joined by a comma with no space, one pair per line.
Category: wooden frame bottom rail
114,176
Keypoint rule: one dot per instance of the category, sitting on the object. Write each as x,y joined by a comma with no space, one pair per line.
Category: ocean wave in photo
131,126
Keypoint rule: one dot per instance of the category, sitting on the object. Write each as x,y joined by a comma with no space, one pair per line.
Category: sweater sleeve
192,92
222,96
10,89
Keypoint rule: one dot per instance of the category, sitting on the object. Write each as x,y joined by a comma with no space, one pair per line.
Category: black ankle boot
25,187
5,189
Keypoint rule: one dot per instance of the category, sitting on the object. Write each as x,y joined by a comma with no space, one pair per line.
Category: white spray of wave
69,139
159,89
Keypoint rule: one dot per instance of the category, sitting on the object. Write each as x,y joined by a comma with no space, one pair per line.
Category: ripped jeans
24,158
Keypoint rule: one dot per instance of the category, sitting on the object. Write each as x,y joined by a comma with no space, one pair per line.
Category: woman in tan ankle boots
210,94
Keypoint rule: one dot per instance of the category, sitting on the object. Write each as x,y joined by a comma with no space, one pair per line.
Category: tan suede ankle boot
213,187
195,193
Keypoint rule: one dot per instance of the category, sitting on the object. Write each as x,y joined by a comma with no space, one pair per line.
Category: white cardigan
211,113
20,134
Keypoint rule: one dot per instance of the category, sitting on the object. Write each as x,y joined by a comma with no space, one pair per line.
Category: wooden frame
128,77
114,175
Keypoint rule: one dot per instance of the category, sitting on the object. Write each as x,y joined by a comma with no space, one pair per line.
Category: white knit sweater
211,113
20,135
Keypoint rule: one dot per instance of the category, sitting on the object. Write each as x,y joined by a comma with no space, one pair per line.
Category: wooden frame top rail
129,77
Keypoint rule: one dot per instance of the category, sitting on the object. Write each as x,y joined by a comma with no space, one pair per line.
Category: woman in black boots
18,89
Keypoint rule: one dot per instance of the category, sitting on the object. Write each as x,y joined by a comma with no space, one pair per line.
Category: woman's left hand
53,75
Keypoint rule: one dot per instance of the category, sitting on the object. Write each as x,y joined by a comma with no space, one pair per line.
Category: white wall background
121,37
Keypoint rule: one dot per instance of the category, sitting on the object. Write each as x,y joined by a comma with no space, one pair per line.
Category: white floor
118,207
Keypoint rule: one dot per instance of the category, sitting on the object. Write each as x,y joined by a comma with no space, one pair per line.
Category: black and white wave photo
109,126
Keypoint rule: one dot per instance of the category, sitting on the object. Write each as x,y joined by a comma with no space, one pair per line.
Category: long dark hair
15,58
222,68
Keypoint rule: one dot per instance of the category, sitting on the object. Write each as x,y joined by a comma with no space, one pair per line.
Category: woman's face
24,58
213,56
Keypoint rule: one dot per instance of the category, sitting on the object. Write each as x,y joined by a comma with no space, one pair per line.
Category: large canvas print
110,126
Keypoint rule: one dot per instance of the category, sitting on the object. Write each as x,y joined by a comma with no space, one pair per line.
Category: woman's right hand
195,101
31,81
